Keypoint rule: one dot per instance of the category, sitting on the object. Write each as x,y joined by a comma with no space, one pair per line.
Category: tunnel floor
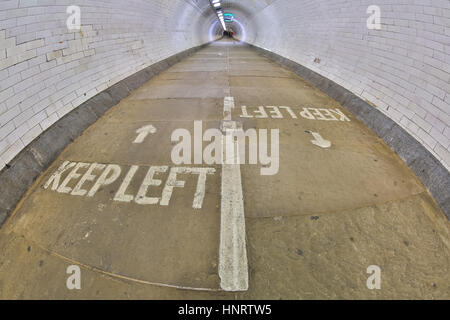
110,204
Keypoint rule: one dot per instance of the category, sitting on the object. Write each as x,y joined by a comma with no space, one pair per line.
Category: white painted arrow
143,133
319,141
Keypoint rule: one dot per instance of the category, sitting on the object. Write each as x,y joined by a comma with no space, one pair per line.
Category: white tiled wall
47,70
402,69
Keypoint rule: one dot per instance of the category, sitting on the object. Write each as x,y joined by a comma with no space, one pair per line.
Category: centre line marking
228,106
233,265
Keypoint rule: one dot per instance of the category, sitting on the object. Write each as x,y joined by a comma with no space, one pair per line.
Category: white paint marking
149,180
289,110
261,113
228,107
275,112
319,141
88,176
172,183
112,172
54,179
245,113
201,185
121,193
105,178
143,133
63,188
342,116
233,265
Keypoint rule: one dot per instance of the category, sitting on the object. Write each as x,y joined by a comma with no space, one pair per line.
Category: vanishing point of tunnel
197,149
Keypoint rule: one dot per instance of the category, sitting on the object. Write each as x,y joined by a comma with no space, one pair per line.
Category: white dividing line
228,106
233,266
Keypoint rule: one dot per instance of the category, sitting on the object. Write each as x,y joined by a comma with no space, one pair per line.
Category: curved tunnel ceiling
243,12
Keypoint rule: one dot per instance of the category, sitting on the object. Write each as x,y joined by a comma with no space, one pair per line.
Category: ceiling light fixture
217,5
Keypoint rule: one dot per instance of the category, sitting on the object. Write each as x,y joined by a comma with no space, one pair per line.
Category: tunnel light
216,4
222,22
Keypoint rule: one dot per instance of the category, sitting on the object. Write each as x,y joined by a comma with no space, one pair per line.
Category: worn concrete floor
312,230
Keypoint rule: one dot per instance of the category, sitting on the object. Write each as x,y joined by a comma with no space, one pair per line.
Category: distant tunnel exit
228,34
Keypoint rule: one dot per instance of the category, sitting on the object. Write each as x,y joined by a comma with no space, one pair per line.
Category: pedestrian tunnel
198,149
